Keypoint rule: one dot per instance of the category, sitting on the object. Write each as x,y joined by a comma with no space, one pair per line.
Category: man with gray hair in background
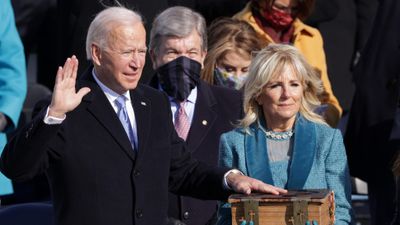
107,143
200,112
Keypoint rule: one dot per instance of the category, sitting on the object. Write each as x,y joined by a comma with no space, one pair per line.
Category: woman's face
281,98
235,63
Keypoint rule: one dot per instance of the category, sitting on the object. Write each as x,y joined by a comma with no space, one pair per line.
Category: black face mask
178,77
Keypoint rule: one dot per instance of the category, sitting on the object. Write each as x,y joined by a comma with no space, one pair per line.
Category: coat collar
257,161
203,118
142,108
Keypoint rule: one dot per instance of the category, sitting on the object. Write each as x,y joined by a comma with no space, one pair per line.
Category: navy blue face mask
178,77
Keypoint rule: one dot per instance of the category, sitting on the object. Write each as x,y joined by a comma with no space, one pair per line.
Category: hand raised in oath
65,98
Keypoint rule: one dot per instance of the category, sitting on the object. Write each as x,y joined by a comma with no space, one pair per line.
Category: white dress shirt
189,105
112,96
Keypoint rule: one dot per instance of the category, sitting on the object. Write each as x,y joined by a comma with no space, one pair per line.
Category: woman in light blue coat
281,141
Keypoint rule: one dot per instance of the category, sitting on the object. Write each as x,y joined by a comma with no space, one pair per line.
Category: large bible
300,207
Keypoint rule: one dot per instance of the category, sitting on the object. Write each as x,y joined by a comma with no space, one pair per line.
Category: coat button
139,213
186,215
136,173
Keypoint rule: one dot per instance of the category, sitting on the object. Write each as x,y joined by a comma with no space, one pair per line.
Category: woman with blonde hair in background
231,43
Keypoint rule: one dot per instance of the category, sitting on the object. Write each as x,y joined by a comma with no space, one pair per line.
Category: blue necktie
124,118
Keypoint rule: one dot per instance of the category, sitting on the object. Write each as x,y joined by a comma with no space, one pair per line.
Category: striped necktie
182,123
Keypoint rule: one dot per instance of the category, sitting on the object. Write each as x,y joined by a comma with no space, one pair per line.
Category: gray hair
269,63
105,22
178,22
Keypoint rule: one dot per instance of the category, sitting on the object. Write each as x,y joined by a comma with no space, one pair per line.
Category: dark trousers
381,196
382,187
396,217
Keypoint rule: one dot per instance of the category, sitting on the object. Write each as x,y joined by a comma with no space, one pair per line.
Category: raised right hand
65,98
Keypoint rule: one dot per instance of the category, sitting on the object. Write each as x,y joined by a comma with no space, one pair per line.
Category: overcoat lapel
257,161
100,108
203,118
303,153
304,148
142,108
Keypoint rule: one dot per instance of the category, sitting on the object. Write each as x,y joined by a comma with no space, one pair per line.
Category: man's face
173,47
119,66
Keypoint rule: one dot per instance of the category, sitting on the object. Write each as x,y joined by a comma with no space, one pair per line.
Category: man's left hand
244,184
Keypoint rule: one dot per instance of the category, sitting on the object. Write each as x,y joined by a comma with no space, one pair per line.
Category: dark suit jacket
96,177
377,96
216,111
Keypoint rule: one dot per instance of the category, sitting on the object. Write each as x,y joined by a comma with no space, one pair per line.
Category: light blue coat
318,162
12,78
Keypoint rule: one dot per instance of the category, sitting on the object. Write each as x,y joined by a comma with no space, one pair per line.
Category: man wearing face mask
201,112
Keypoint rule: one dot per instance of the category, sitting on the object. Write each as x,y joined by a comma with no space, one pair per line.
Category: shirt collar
110,94
191,98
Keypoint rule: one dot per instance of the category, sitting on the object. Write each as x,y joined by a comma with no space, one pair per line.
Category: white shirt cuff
225,182
51,120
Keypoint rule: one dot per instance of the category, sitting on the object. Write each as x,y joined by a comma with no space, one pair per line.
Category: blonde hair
271,61
225,35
